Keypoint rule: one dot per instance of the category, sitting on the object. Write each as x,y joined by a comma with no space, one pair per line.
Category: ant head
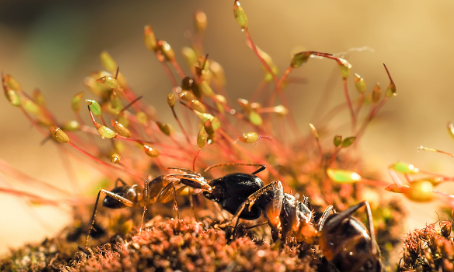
218,191
232,190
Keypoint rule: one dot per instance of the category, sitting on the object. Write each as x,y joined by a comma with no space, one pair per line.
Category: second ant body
344,240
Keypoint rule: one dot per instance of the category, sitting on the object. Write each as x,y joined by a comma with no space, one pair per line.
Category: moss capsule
166,50
200,21
106,133
77,101
190,56
348,141
344,67
198,106
240,15
150,151
108,62
120,129
300,59
202,137
376,93
71,126
255,118
420,191
150,39
249,137
115,158
12,97
142,117
10,83
360,84
343,176
94,106
58,134
337,140
165,128
404,168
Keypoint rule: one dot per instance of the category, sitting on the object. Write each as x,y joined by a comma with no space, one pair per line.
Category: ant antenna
439,220
262,166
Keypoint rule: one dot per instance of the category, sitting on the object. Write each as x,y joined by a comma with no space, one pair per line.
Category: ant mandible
344,240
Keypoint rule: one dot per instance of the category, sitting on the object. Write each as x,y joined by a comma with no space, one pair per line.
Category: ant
344,240
159,190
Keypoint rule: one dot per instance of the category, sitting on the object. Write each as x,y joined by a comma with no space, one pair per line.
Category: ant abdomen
132,193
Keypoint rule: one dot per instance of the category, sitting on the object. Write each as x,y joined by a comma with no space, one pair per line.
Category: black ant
343,239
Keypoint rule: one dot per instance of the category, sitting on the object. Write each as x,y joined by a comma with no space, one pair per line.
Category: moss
429,249
188,246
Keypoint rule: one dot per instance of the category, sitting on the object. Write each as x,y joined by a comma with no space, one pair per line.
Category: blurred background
53,45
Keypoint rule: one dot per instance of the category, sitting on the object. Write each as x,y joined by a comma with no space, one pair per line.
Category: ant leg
370,222
262,166
120,199
219,209
195,182
398,266
325,215
166,194
272,213
119,180
191,201
184,170
145,203
175,203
